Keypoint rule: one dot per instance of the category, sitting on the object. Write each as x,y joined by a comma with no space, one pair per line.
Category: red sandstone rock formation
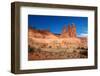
72,30
64,33
69,30
45,34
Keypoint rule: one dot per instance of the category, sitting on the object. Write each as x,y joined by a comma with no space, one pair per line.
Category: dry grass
40,54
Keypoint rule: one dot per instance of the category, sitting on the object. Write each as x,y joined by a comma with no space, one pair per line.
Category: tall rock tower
64,33
72,30
69,30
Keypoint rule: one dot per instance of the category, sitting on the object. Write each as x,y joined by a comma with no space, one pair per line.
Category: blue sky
56,23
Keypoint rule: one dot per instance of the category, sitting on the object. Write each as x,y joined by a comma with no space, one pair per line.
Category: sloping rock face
40,34
39,38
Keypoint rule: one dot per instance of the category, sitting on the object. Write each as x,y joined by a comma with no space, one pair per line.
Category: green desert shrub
30,49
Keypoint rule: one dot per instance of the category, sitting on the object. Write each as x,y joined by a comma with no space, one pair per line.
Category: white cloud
83,35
